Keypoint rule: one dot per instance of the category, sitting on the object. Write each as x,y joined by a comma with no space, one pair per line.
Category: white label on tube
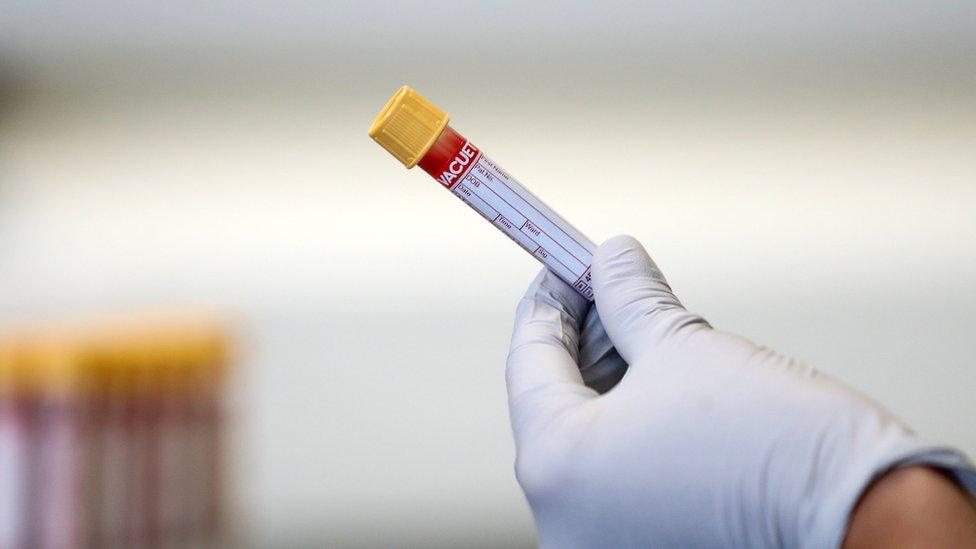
508,205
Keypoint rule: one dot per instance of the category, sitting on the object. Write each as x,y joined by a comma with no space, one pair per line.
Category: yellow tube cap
408,126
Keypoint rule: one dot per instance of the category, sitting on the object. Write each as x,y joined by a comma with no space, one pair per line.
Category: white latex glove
709,440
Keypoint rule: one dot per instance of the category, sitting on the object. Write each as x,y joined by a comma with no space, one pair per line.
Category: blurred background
804,173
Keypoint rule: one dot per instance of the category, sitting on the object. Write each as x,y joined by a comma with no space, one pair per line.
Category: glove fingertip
621,253
617,244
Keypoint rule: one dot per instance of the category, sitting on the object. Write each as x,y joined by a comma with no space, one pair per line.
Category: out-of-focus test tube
113,447
174,450
140,472
213,356
416,132
14,450
103,433
57,447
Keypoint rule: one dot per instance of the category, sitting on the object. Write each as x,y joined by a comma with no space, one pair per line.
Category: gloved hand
709,440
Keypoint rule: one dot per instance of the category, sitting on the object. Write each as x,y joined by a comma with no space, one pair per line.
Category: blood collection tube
14,449
60,446
416,132
174,451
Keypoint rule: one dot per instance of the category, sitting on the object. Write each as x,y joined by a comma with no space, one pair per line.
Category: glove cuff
831,520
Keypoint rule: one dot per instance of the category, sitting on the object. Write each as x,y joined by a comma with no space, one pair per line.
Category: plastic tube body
464,170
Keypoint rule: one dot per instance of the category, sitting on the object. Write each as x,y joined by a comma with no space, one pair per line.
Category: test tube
174,451
115,451
60,447
416,132
213,355
14,449
102,398
140,469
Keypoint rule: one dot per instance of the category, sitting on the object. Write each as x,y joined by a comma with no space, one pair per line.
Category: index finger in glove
542,372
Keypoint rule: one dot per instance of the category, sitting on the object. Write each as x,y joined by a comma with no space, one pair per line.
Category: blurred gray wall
803,173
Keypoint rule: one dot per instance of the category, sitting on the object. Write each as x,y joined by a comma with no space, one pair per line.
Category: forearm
913,507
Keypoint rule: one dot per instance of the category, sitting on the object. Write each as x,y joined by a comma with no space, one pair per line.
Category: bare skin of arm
913,507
